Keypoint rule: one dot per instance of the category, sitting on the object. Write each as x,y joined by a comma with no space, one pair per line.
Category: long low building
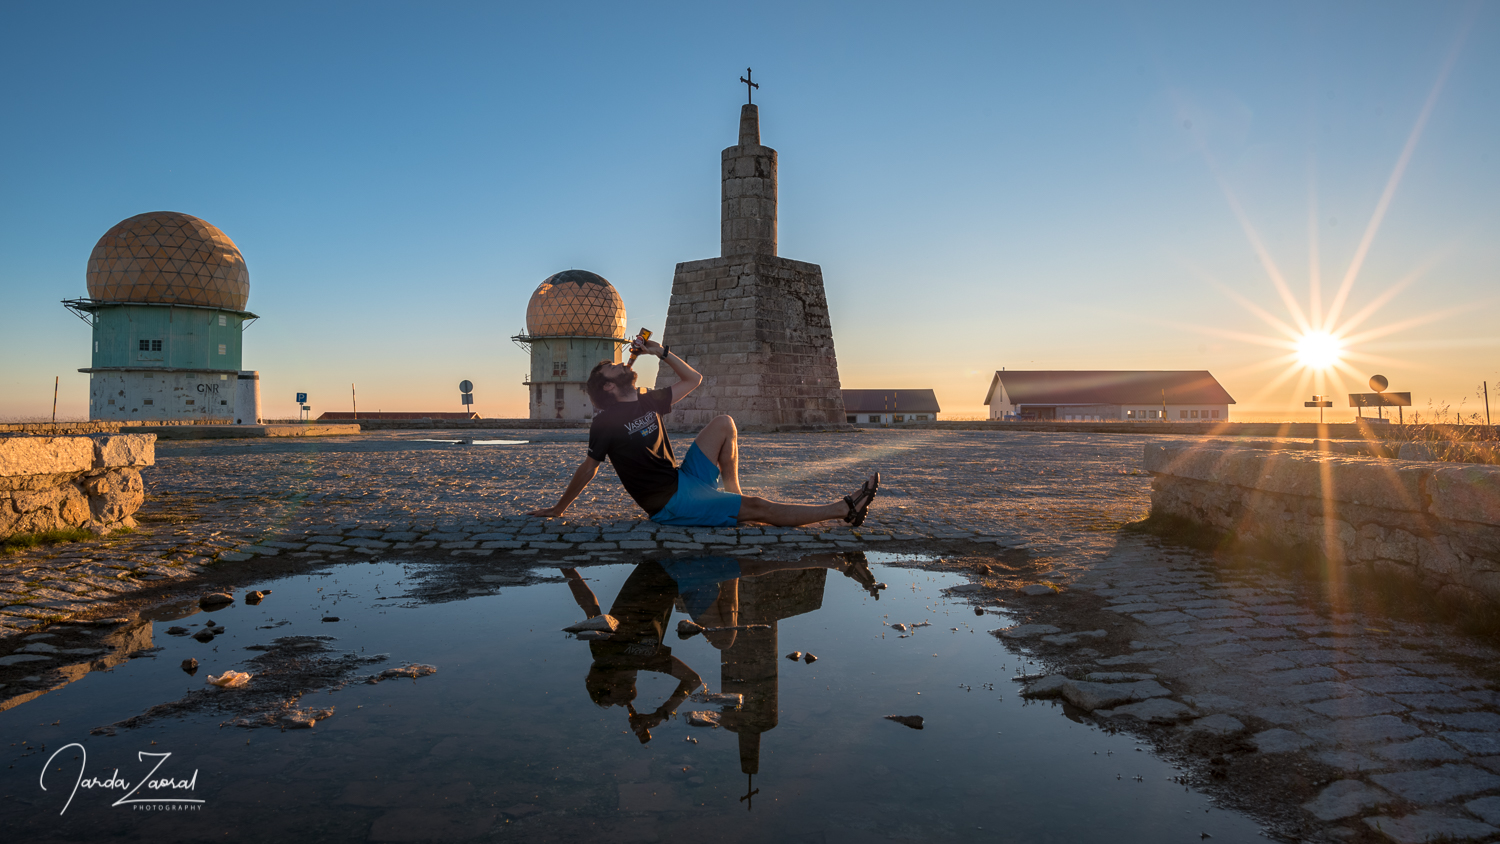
890,407
1108,396
374,415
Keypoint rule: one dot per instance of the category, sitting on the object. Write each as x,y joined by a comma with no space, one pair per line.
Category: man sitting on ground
629,431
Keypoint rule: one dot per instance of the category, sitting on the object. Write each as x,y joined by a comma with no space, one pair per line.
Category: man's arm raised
585,473
688,378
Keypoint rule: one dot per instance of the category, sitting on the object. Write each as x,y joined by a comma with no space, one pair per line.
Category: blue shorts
700,500
698,579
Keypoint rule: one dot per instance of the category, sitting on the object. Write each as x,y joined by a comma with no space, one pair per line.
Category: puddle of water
877,558
527,732
474,442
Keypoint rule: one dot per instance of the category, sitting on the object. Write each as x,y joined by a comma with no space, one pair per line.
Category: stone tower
755,324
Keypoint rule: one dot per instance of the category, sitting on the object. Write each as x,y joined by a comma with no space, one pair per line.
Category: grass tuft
25,541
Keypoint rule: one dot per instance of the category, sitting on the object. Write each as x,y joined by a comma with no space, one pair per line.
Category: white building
890,407
1108,396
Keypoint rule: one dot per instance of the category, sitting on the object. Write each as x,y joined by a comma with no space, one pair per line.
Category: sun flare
1319,350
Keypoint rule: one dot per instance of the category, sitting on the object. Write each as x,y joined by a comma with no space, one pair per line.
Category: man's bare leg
720,442
753,509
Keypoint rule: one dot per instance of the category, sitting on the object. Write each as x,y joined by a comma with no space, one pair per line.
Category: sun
1319,350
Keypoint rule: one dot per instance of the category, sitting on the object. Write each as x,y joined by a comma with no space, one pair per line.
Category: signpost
466,393
302,403
1319,402
1380,399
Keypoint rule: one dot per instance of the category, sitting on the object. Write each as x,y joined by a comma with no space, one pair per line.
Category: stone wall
757,327
52,483
1437,524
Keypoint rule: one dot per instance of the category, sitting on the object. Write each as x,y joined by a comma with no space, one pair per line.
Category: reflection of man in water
643,610
709,589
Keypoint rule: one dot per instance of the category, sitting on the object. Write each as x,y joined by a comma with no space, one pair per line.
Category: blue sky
985,185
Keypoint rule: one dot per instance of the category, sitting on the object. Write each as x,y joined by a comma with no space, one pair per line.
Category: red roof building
1108,395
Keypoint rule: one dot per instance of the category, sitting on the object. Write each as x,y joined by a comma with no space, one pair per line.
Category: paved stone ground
1396,725
393,492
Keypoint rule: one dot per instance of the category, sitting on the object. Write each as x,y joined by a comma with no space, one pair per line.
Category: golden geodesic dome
168,258
576,303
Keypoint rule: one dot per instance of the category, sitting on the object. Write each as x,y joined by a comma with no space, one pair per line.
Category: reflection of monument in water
750,666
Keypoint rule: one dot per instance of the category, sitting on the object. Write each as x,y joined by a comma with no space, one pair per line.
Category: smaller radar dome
168,258
576,303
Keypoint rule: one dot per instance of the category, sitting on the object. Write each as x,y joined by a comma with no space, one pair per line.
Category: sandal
857,568
859,502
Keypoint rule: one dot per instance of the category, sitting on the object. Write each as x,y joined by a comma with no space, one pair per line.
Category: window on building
920,417
559,369
145,345
559,397
1195,414
155,345
112,401
852,419
872,419
1216,414
190,402
223,320
223,349
1182,414
148,402
539,394
898,418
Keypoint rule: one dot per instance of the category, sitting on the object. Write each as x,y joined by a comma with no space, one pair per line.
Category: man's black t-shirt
632,436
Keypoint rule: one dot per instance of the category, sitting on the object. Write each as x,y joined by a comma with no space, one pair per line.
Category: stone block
1219,724
1475,744
1344,799
1437,785
1424,749
21,456
1278,740
1090,696
1428,827
113,451
1153,711
1467,493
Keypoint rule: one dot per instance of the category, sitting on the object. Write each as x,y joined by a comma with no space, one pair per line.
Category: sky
986,185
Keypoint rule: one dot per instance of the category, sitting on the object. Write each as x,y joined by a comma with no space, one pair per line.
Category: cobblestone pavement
1394,729
394,492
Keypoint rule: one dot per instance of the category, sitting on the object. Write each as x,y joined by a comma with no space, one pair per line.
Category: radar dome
171,259
576,303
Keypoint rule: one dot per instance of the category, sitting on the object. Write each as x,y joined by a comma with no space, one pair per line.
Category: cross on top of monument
748,85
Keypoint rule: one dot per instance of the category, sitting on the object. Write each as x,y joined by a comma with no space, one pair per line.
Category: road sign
468,398
466,386
1317,404
1380,399
302,398
1378,383
305,407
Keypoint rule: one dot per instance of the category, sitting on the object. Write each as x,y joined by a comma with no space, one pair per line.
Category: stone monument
755,324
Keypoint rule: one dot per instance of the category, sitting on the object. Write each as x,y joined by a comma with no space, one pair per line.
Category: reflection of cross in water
751,791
